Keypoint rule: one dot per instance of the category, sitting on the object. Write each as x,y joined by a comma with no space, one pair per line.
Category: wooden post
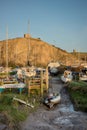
20,90
29,88
41,83
47,85
27,81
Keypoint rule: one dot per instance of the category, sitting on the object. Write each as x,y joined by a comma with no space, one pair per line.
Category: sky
62,23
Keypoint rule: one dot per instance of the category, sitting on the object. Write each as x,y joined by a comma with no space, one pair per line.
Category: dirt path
62,117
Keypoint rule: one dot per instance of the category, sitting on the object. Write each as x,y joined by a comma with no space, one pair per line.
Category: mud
61,117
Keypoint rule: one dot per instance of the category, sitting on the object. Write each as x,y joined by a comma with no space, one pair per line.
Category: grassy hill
80,55
34,50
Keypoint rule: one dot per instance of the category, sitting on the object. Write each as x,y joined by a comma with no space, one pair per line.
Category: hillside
36,51
82,55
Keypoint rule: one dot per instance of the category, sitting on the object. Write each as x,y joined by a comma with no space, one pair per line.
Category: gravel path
62,117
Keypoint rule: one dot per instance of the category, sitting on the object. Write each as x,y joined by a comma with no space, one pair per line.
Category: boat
83,74
67,76
54,71
53,68
83,77
52,99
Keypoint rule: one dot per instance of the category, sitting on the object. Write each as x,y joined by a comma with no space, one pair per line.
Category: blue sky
62,23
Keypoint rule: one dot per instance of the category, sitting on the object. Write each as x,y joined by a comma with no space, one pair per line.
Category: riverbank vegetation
14,111
78,94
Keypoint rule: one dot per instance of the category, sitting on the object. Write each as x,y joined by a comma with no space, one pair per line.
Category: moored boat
67,76
83,78
52,99
54,71
83,74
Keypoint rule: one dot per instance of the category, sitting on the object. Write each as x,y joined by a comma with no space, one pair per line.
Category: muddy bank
61,117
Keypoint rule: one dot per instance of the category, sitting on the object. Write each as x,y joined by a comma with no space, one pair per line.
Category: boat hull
83,78
50,102
65,79
56,100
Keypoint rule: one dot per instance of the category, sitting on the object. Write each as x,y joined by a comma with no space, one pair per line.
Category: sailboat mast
7,49
0,54
85,59
28,53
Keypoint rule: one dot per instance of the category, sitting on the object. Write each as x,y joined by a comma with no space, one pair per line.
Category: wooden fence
40,84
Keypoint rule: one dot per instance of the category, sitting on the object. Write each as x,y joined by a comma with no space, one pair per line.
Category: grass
15,111
78,94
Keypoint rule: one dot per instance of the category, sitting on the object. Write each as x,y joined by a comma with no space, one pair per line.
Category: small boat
54,71
83,74
67,76
83,77
52,99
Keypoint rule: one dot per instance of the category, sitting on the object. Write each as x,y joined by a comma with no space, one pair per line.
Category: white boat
26,72
83,77
83,74
54,71
53,64
17,85
53,68
67,76
52,99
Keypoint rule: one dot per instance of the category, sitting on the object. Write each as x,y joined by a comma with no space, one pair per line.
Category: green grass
79,83
78,94
14,110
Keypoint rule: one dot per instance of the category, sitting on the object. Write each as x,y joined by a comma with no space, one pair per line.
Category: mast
7,50
28,53
0,54
85,59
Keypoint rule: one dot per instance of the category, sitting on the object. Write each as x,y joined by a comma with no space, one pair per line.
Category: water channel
61,117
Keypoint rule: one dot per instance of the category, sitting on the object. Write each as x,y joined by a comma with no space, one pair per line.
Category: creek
61,117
